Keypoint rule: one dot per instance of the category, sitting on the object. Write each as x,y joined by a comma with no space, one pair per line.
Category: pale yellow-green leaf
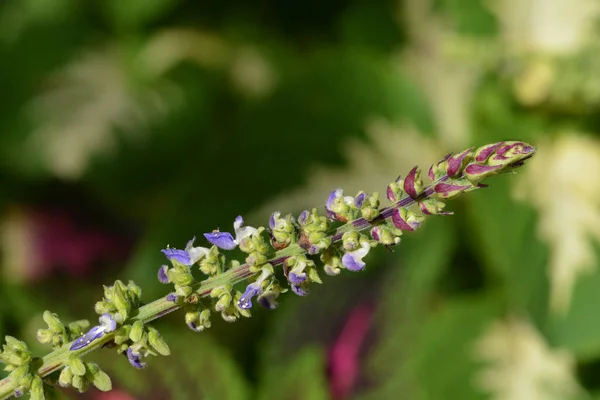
546,26
519,365
562,182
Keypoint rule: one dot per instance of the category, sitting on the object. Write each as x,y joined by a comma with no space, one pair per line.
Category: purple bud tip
360,200
409,183
222,240
483,153
375,233
391,196
477,169
18,392
302,217
272,219
162,274
399,222
171,297
334,195
455,162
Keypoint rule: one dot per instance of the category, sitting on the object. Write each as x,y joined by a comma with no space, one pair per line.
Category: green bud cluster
58,333
17,357
80,375
143,339
120,300
256,247
226,303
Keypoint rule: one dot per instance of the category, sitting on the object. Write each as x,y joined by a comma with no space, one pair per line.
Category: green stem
55,360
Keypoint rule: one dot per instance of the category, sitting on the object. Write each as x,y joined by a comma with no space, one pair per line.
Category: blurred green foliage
129,125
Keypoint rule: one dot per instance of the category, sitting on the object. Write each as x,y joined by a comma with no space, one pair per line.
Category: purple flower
181,256
353,259
252,290
296,278
299,290
225,241
135,358
189,256
107,324
162,274
336,194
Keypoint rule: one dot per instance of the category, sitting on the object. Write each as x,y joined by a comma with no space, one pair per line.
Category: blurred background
129,125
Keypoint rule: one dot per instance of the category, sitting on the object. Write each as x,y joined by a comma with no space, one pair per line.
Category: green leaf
579,329
421,258
443,362
135,14
503,234
302,378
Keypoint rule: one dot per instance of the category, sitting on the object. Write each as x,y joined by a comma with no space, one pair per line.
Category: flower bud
98,377
137,331
157,342
76,365
66,377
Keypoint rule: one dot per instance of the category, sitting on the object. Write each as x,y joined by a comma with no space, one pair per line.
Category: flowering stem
456,172
54,361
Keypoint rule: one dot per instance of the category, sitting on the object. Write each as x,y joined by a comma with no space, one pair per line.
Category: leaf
521,366
418,264
302,378
578,330
562,184
133,15
503,234
198,368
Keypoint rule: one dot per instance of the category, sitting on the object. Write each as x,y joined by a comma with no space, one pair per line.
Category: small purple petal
252,290
302,217
360,200
107,322
399,222
331,215
296,279
298,290
162,274
194,327
95,333
181,256
267,301
171,297
375,233
431,174
18,392
391,196
334,195
352,263
313,249
483,153
273,218
223,240
135,359
409,183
